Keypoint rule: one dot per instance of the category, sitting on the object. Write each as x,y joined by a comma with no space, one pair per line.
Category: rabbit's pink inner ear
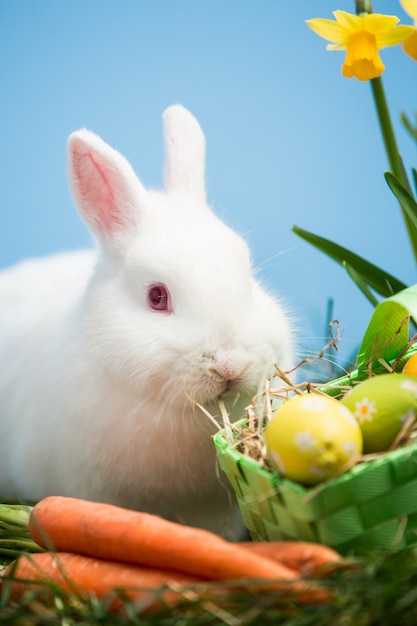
99,191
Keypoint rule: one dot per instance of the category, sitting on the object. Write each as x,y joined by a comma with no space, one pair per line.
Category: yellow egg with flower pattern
312,437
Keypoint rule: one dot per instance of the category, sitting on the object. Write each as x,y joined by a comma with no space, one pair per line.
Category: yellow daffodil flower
410,44
362,36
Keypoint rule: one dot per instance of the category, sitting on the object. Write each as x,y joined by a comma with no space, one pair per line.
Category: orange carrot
113,533
303,556
85,576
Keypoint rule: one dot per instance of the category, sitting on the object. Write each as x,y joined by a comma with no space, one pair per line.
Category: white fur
95,385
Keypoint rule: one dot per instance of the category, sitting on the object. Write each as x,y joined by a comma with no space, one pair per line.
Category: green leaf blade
360,283
374,277
403,194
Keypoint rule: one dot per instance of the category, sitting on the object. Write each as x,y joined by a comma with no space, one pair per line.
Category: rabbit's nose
228,364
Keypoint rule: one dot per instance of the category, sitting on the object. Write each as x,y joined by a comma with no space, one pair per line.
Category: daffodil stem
363,6
386,127
391,148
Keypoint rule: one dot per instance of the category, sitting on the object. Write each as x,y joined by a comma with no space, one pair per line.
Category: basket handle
388,330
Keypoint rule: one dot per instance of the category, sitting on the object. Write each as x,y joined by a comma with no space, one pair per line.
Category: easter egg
311,438
382,404
411,366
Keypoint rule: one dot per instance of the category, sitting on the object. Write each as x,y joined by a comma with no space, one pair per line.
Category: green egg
382,404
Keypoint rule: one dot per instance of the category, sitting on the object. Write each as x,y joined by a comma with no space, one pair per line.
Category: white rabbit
105,353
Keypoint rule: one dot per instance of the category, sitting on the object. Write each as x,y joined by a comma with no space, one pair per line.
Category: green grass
380,591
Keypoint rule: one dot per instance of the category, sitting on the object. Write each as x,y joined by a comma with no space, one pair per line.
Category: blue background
289,140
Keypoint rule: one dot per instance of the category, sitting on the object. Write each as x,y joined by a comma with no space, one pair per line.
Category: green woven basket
371,507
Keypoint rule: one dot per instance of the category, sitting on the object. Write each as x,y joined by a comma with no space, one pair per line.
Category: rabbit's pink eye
159,298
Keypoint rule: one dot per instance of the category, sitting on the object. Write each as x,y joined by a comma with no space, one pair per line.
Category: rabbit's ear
184,153
105,188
